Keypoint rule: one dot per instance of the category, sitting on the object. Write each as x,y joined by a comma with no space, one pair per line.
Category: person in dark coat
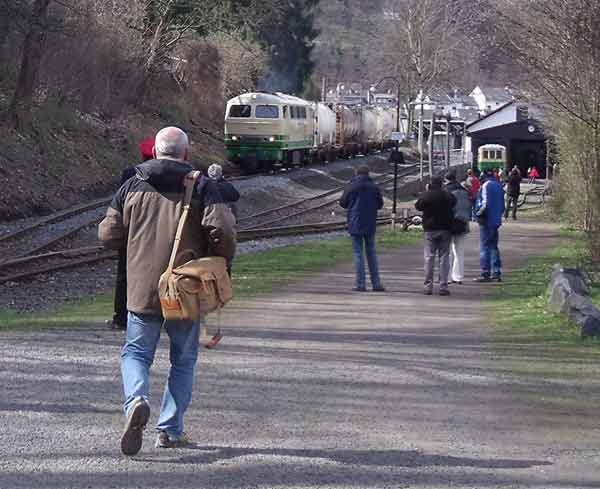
119,320
226,189
513,190
437,205
363,199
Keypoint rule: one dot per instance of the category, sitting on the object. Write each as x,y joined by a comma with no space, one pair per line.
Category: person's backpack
197,287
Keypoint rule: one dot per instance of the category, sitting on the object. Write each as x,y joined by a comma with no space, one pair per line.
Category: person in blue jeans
490,210
362,198
142,219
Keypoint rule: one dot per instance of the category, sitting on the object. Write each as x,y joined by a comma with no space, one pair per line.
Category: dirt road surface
319,387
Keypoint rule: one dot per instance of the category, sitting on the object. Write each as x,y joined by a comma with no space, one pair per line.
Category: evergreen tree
289,40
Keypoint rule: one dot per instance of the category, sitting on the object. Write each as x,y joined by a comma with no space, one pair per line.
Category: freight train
267,129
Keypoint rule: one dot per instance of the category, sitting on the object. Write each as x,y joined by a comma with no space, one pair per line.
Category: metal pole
421,143
431,130
447,152
396,158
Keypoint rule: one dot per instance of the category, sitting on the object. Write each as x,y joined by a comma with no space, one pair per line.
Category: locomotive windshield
267,112
240,111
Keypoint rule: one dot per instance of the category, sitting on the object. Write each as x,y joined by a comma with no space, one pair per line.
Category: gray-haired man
143,216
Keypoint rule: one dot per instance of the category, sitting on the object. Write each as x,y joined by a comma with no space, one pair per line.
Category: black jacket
513,184
436,206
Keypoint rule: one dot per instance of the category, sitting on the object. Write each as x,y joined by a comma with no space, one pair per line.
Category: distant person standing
460,227
436,204
119,321
363,199
513,190
226,189
533,174
472,185
490,208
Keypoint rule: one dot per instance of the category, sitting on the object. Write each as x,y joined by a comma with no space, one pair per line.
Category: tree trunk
33,48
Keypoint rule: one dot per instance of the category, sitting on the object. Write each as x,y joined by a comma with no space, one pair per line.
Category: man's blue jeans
143,333
368,240
489,254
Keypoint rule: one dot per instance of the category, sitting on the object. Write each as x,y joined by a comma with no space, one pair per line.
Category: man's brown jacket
143,216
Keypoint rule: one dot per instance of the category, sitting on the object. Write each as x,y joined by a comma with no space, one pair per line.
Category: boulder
569,294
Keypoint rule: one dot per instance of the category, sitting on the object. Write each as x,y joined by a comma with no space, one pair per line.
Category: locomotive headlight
272,139
234,138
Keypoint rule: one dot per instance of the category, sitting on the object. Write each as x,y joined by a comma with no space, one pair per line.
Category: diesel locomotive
267,129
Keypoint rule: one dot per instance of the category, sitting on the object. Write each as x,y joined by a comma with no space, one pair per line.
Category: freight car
267,129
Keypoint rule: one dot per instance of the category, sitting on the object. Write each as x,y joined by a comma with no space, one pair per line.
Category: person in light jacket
460,227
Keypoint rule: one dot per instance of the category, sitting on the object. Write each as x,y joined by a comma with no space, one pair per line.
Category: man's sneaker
381,288
497,278
444,292
482,279
131,440
428,292
359,289
163,440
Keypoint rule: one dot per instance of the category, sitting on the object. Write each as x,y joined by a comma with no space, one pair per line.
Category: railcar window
302,112
486,155
240,111
285,111
267,112
293,112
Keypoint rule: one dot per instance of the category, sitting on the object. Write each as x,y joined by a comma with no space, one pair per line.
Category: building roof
489,114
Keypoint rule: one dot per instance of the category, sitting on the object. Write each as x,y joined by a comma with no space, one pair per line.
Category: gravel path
319,387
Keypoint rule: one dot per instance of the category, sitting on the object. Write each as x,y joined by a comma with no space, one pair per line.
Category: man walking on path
490,208
513,190
363,199
460,227
143,216
436,204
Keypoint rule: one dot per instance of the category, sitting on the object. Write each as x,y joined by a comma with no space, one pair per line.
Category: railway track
292,210
25,267
26,263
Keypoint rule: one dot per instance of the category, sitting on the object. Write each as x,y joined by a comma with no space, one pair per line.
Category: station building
517,127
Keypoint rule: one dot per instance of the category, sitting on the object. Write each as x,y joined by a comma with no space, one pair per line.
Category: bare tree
557,45
31,58
167,23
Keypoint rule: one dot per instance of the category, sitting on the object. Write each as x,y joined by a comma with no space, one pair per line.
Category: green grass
254,274
520,306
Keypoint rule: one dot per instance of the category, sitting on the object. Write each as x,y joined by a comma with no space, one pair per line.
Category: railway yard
60,249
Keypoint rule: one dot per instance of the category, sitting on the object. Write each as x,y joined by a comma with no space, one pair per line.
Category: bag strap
189,183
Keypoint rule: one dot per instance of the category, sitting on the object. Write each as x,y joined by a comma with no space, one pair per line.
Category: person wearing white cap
226,189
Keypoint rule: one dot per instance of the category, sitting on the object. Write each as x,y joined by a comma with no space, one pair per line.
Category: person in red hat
119,320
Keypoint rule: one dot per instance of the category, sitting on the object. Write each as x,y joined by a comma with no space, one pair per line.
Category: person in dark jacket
119,320
436,204
226,189
513,190
363,199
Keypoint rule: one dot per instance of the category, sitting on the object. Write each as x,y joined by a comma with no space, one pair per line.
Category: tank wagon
266,129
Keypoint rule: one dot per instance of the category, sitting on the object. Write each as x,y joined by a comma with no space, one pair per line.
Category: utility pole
397,156
431,131
447,152
420,143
